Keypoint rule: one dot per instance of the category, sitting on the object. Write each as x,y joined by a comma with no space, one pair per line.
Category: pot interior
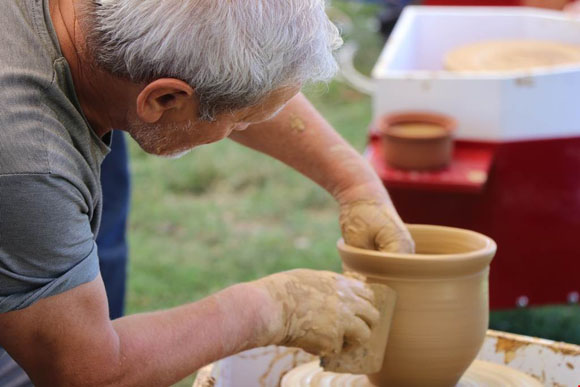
440,252
443,240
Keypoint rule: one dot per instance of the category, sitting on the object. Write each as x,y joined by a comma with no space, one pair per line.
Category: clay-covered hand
318,311
375,225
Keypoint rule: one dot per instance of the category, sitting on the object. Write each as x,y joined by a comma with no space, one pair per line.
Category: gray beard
155,138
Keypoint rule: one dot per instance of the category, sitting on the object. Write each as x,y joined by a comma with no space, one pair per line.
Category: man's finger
392,241
356,331
365,293
366,312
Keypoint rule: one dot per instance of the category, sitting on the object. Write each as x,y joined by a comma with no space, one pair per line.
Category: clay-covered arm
301,138
68,339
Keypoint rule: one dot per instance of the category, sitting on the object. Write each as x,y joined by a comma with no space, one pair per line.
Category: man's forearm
301,138
68,340
163,347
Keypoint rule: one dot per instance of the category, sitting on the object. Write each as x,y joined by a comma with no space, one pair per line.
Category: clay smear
312,375
297,123
480,373
508,347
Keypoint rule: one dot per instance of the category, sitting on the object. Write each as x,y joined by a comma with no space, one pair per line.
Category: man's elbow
86,368
85,375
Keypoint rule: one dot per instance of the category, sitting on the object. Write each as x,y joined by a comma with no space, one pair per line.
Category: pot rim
489,248
447,123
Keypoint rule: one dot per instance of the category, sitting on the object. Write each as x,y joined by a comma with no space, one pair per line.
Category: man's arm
301,138
68,339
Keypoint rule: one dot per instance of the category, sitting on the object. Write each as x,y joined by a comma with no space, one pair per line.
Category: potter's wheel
479,374
511,55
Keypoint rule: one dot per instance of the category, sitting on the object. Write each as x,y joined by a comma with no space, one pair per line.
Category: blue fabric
11,375
112,238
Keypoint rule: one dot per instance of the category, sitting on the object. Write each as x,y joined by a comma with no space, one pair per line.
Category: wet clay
297,123
480,373
320,312
512,55
312,375
368,356
441,314
296,354
374,225
483,373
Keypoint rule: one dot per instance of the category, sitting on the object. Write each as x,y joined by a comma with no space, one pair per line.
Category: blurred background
225,214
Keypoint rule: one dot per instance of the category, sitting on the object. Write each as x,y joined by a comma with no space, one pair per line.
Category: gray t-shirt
50,193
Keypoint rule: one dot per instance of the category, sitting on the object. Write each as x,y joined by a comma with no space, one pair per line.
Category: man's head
169,126
212,59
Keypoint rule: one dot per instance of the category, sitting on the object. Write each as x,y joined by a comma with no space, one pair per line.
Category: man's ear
163,95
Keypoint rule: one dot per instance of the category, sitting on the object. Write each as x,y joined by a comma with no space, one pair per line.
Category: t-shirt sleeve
46,243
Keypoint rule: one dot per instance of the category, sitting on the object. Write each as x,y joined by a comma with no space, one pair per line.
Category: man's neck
103,97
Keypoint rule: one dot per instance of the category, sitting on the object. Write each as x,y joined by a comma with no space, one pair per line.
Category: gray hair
232,52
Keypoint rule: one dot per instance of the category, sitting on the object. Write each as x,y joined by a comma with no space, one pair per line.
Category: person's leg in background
112,238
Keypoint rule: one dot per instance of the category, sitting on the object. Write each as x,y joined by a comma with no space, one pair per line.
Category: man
174,74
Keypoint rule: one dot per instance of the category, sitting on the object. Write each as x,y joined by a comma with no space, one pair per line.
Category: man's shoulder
26,73
28,46
23,147
41,128
34,139
27,133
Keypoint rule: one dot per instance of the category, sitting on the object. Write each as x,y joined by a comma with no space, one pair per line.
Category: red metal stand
525,195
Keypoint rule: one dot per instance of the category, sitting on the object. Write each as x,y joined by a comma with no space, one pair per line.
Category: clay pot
417,140
442,309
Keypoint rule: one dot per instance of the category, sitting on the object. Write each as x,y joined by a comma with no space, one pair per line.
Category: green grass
225,214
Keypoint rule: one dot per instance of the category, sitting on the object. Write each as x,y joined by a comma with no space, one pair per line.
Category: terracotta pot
417,140
442,310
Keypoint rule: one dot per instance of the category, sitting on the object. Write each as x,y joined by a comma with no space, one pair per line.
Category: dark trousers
111,242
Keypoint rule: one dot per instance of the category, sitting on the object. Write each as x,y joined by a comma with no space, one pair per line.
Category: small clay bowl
417,140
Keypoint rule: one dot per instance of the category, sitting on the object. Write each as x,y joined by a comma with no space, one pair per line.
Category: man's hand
374,225
368,220
318,311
